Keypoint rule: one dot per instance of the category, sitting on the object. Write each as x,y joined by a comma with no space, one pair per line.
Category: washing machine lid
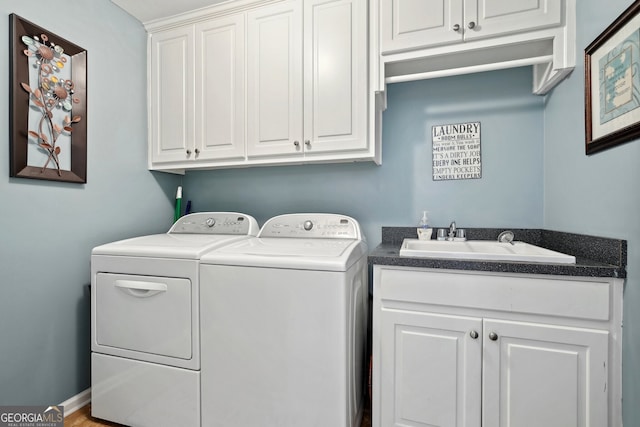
313,241
189,238
289,253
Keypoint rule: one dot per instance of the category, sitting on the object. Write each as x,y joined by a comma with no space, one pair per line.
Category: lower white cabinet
471,349
429,370
543,375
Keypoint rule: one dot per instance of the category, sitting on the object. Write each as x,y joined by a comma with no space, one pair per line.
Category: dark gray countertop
595,256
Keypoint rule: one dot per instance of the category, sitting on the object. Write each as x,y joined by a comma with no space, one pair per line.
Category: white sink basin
482,250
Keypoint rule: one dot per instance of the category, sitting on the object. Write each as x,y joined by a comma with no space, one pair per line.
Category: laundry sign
456,151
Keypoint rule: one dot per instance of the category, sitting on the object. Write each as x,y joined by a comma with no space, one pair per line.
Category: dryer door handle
141,289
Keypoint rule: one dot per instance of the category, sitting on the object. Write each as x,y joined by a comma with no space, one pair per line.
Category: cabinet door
498,17
543,375
335,76
220,88
274,80
410,24
171,92
429,370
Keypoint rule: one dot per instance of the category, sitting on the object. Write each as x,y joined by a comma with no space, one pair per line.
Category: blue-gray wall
535,174
48,229
509,194
596,194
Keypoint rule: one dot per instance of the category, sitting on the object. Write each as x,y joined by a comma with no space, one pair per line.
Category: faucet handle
461,234
506,237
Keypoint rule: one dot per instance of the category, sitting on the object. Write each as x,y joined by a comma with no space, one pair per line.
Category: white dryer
283,324
145,334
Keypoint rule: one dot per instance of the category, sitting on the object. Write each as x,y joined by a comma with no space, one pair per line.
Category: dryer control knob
308,225
210,222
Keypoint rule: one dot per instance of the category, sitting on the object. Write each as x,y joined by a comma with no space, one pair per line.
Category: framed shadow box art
612,83
48,105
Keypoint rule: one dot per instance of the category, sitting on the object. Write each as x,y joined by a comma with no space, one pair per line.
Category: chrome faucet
452,230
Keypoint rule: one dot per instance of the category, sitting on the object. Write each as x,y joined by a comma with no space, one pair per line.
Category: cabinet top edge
206,13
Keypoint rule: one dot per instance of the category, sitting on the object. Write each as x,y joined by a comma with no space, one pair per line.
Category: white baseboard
76,402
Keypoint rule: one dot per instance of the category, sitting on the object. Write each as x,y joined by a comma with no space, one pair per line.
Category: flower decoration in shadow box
48,132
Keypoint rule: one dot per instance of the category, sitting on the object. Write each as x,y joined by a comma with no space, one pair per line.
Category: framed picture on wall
612,83
47,105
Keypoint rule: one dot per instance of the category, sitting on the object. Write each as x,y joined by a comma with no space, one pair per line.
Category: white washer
145,335
283,325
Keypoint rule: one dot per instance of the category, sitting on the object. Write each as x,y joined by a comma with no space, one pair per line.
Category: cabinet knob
471,25
197,151
493,336
473,334
188,152
456,27
307,143
296,143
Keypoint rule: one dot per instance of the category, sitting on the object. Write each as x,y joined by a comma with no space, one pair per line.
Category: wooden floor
82,418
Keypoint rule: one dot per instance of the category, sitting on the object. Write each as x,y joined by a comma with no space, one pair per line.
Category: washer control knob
210,222
308,225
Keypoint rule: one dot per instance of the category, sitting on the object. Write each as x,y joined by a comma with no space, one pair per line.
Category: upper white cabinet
491,18
171,106
262,82
336,69
197,92
411,24
220,88
432,38
275,80
307,79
